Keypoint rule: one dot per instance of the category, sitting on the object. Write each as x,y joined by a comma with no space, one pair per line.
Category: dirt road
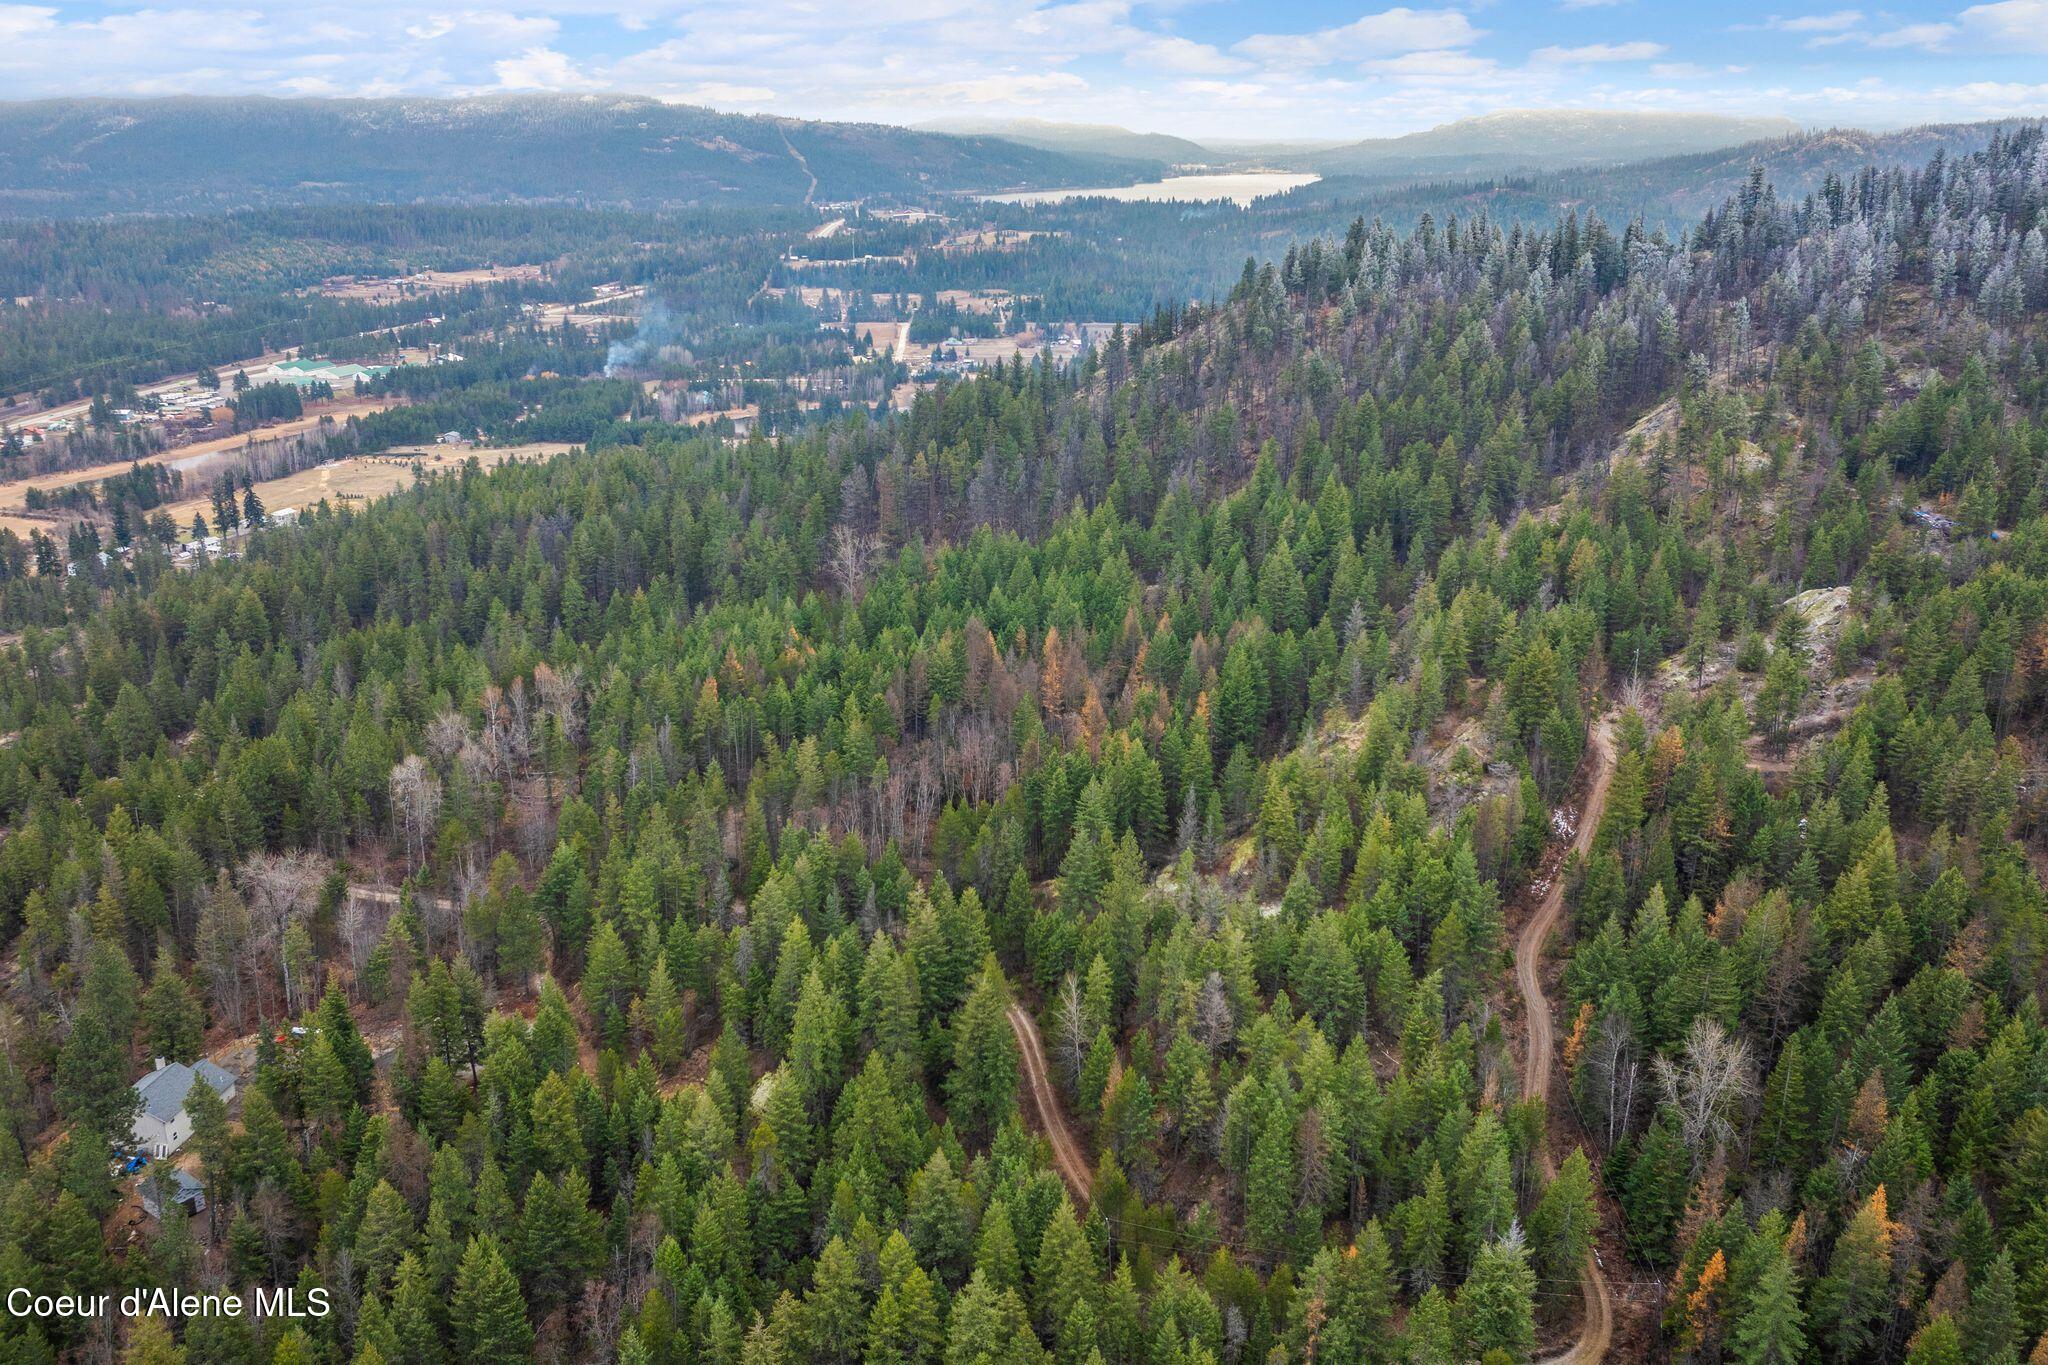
1541,1057
1066,1153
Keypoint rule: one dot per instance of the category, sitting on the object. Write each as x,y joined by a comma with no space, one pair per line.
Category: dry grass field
364,478
192,460
392,288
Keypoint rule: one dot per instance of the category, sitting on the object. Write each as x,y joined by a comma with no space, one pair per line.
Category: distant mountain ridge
1537,140
87,156
1088,139
70,158
1667,192
1515,140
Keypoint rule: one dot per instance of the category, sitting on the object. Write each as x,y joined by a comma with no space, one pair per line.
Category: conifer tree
982,1088
486,1311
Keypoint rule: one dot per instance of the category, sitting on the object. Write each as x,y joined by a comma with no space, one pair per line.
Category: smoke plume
657,329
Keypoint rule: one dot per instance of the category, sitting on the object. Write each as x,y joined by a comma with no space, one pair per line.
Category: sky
1217,69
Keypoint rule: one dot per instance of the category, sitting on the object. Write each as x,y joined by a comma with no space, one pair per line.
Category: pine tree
173,1021
1270,1182
1852,1300
664,1015
1497,1303
415,1307
1431,1337
1426,1230
996,1257
150,1343
1563,1225
1655,1190
982,1089
936,1219
834,1316
92,1088
1990,1327
1769,1330
384,1238
559,1239
1063,1278
486,1310
1938,1343
990,1327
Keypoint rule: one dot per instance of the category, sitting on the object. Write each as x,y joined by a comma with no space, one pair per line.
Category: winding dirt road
1067,1157
1538,1061
1541,1057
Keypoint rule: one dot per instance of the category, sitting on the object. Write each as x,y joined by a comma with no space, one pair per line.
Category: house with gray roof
162,1123
182,1187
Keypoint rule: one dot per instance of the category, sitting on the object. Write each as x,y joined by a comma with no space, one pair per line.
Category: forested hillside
675,852
1669,190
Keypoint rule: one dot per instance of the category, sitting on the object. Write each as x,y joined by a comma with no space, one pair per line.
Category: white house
162,1123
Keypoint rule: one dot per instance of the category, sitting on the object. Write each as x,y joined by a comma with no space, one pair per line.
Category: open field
992,239
392,288
187,459
365,478
593,313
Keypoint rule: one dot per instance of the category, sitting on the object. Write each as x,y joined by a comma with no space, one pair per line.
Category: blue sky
1205,68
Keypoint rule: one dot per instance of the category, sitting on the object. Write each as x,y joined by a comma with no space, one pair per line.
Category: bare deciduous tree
975,760
851,558
1710,1077
1070,1022
561,691
282,890
446,733
415,805
358,937
1614,1069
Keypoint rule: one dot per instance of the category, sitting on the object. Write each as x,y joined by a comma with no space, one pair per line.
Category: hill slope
1534,140
1081,139
62,157
1668,192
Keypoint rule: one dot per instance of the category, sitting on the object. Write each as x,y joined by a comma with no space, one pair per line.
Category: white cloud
1678,71
1373,35
1181,55
1226,92
995,88
1434,66
543,68
2009,25
19,21
1931,37
1597,52
1834,22
491,27
722,93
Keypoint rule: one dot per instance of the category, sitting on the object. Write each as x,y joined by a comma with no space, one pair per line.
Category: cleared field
189,459
365,478
392,288
596,312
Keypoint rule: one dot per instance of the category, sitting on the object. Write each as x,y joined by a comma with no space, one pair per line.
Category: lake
1239,187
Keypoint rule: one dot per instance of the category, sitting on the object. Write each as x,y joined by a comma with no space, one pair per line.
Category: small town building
306,373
